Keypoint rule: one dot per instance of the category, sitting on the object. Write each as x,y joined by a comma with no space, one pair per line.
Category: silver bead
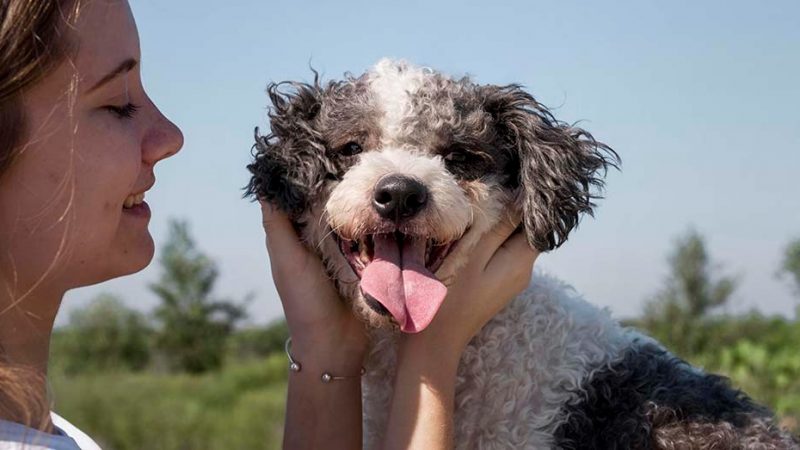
294,367
326,377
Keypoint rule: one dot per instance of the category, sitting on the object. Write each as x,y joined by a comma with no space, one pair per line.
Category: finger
281,236
493,239
514,255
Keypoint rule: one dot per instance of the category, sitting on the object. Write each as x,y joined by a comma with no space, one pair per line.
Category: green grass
240,407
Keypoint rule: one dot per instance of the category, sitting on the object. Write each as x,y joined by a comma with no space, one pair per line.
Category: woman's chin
126,261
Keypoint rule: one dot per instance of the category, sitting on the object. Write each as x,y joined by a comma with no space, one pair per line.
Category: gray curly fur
560,164
650,399
290,161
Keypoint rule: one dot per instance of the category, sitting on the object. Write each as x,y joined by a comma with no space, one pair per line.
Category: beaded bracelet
326,377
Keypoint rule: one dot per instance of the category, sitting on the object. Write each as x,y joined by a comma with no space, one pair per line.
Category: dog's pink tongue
399,280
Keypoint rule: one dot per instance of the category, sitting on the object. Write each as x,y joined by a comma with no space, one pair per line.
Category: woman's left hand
499,268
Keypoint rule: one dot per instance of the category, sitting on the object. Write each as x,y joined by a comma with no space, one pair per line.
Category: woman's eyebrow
125,67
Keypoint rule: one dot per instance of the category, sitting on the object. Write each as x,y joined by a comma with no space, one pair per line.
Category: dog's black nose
398,197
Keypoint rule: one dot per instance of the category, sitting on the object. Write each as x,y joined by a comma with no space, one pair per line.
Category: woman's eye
125,111
350,149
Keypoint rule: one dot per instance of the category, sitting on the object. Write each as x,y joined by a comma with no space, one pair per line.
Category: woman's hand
421,415
498,269
323,328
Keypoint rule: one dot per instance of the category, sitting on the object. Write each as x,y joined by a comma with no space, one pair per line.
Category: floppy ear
290,162
561,167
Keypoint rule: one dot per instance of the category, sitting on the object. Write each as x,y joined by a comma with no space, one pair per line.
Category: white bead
326,377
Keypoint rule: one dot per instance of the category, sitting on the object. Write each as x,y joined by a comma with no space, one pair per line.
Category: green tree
104,336
259,342
676,314
790,266
194,325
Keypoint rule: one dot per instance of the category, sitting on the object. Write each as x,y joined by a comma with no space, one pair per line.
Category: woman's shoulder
15,436
82,439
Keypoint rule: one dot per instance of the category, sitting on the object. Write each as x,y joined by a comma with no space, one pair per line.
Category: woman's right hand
324,330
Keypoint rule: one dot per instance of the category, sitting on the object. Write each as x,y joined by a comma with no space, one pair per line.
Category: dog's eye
465,164
456,156
350,149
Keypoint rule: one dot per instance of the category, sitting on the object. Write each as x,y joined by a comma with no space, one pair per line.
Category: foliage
790,266
104,336
258,342
676,313
760,354
194,324
240,407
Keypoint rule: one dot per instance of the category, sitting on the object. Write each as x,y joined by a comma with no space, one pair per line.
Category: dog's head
393,176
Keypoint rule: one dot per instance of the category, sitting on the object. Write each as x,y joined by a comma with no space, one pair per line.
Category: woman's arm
326,337
421,415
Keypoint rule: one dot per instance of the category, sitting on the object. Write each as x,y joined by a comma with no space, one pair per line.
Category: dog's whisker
318,246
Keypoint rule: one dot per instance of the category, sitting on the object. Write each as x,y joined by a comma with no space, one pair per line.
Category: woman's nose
163,140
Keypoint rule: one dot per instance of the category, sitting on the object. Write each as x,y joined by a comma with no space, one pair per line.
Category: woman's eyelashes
125,111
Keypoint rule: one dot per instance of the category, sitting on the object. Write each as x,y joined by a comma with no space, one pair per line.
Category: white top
14,436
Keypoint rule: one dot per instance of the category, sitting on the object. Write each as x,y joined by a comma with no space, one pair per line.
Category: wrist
324,354
431,353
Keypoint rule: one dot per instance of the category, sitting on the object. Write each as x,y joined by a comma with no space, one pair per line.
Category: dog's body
392,177
552,371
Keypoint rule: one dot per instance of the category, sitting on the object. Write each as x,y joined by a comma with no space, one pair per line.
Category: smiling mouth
361,252
133,200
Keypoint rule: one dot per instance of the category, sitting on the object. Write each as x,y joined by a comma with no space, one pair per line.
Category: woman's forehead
106,37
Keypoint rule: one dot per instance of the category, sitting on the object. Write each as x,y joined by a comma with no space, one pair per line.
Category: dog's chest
516,375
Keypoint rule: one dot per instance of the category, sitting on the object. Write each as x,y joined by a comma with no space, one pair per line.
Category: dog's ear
290,163
558,168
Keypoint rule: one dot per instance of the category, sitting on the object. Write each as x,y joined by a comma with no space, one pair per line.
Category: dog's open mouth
361,252
397,275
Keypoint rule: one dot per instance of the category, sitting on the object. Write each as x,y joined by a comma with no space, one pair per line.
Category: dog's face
393,176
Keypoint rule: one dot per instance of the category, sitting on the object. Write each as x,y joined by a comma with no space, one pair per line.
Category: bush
104,336
240,407
259,342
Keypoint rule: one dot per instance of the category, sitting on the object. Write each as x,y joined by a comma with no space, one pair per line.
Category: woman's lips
140,210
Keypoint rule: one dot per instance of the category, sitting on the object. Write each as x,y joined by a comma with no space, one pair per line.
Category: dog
405,160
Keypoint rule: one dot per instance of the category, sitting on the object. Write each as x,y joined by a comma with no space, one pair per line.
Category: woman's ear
561,167
290,163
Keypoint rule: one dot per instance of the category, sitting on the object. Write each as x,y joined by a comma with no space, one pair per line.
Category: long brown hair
34,40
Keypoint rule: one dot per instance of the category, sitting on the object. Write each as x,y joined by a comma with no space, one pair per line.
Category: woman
79,139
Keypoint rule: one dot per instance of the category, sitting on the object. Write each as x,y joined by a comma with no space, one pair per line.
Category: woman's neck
25,327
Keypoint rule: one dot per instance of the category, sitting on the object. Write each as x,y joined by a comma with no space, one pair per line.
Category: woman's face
70,210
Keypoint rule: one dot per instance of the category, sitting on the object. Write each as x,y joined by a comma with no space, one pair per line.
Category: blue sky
699,98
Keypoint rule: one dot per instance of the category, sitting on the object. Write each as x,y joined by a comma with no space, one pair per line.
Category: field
241,406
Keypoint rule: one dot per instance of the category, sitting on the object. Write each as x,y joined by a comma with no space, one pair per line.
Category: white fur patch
393,83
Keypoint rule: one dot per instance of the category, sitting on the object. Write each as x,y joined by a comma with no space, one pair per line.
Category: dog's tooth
129,201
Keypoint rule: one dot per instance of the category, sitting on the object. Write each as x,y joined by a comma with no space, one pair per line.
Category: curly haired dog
393,176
